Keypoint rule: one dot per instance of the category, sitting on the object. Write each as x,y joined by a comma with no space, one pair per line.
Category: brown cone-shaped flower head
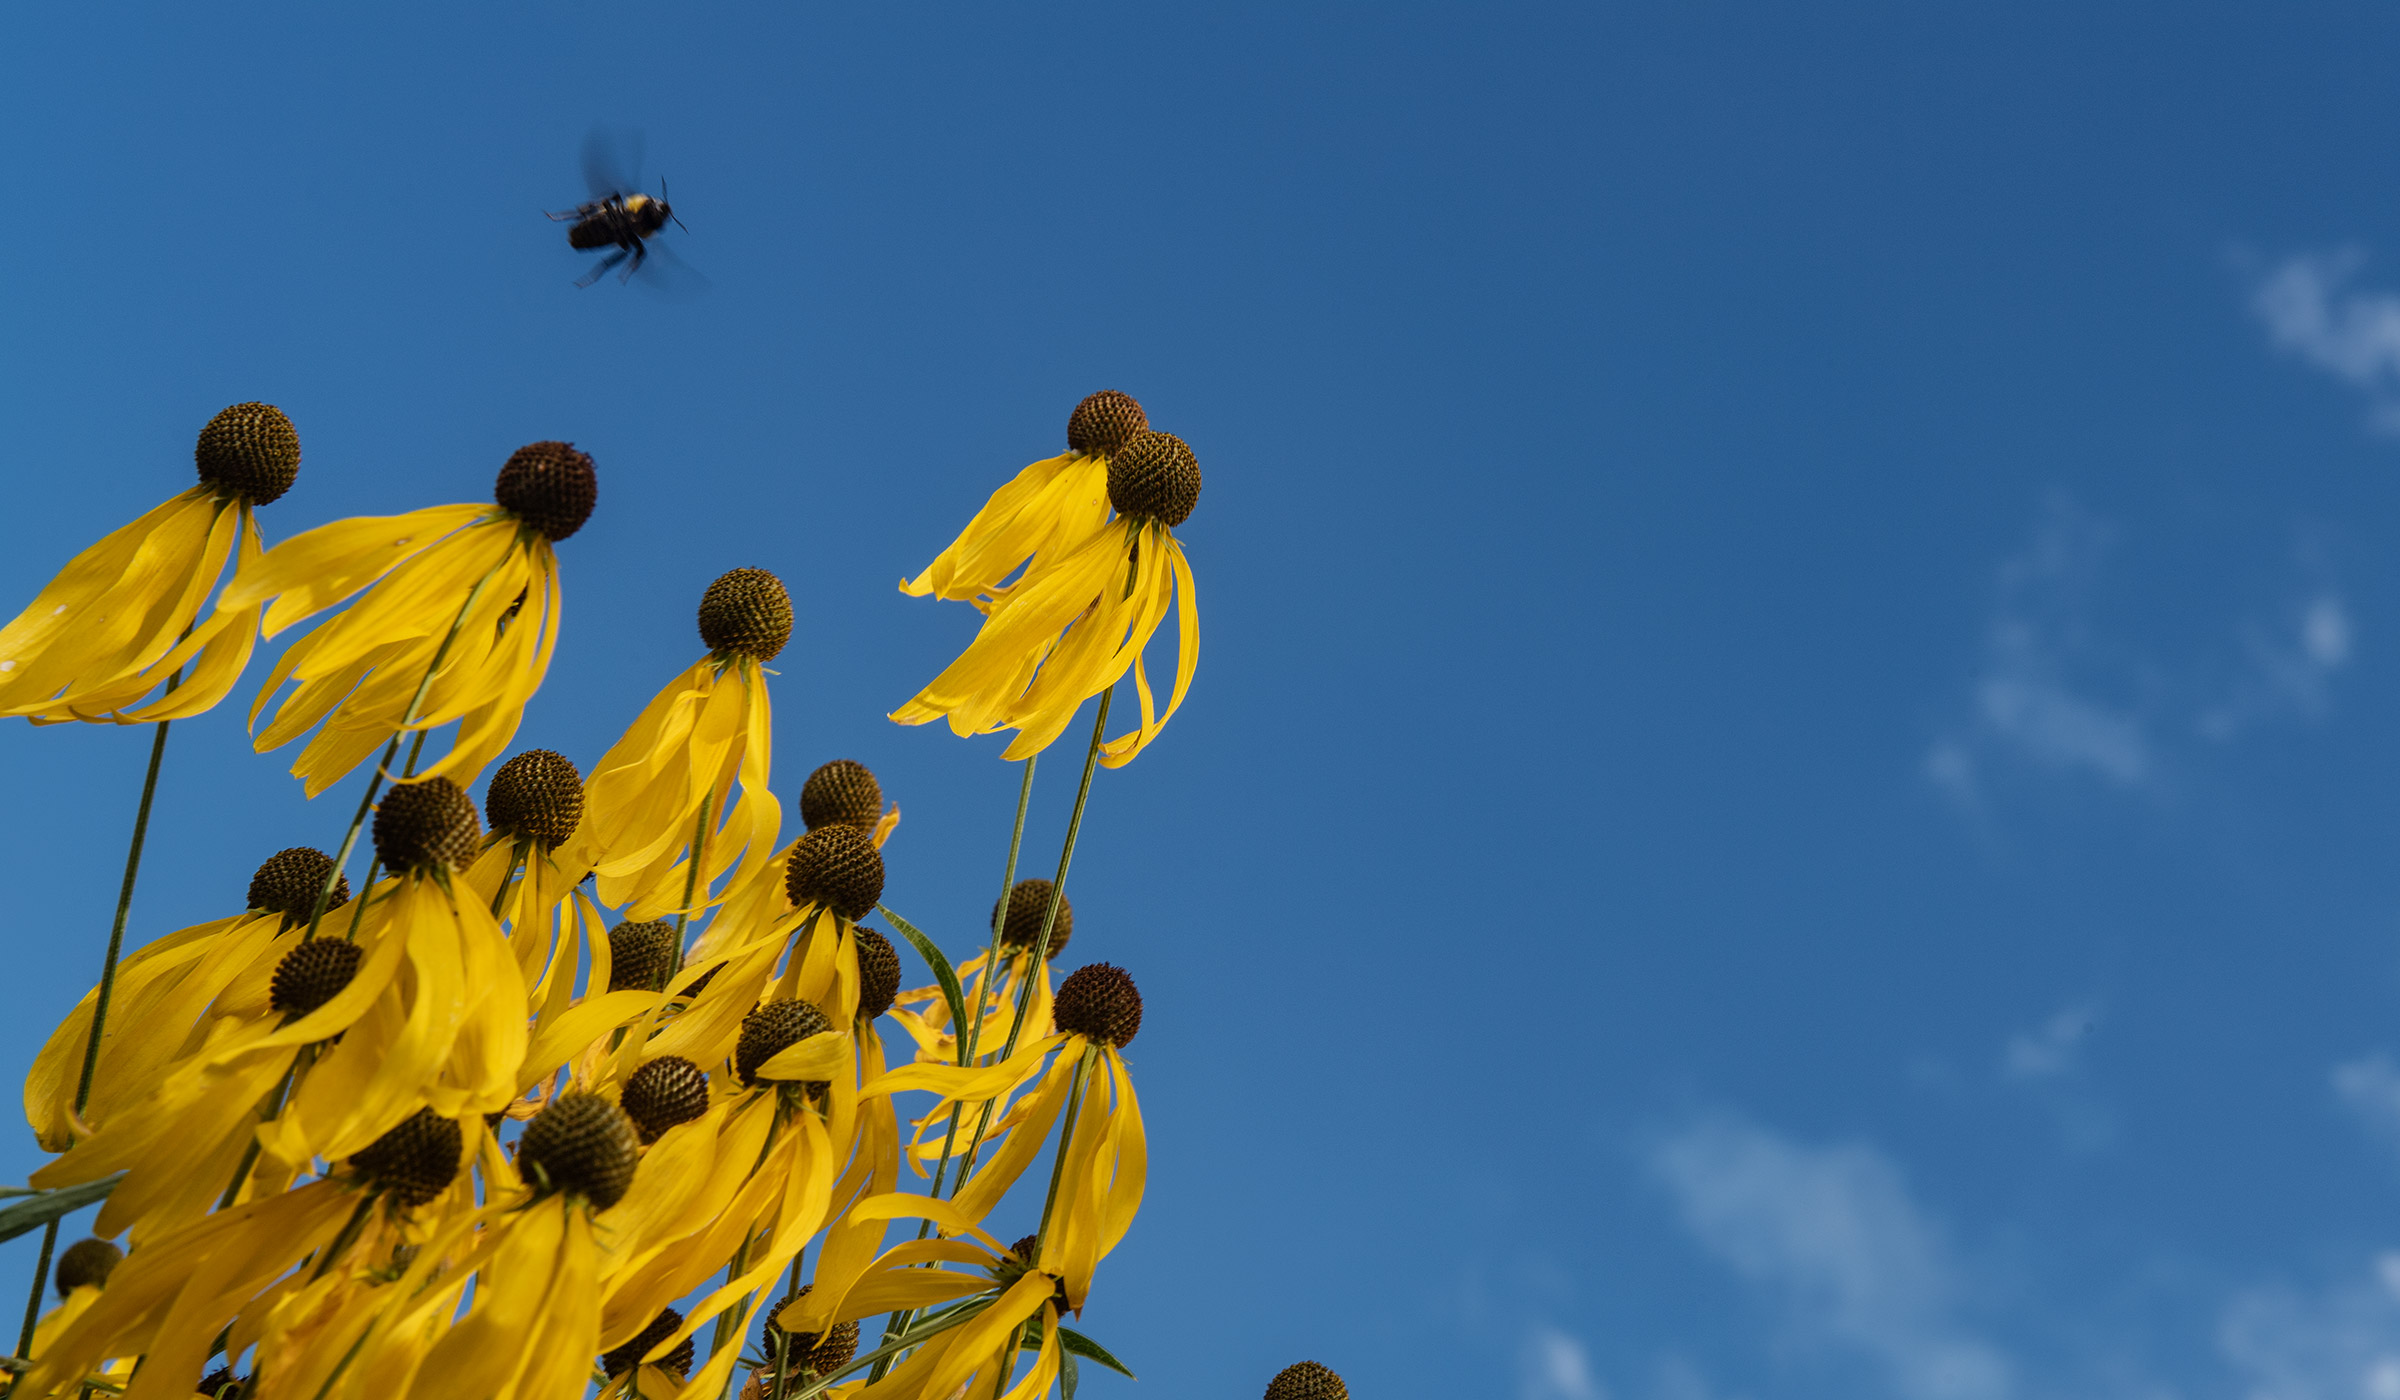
1099,1000
583,1145
771,1028
290,881
312,974
618,1361
667,1091
1154,477
641,957
87,1262
819,1353
841,791
1028,905
1104,422
878,973
550,486
250,450
536,796
414,1162
839,867
221,1384
746,612
1307,1380
427,825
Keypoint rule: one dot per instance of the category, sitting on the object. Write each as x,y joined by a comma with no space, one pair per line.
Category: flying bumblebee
618,215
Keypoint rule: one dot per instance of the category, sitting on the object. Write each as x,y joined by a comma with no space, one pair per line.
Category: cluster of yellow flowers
476,1130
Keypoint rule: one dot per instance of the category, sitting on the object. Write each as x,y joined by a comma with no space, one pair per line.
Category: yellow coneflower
924,1012
1307,1380
161,994
448,1024
304,1324
83,1270
801,1097
1051,507
170,1301
974,1357
181,1142
428,1007
1104,1158
832,878
1103,1155
535,806
655,1380
534,1325
758,911
106,631
658,834
1072,627
855,1239
474,587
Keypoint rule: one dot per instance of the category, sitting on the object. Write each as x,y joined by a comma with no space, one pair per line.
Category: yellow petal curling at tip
1101,1178
708,732
168,1301
1049,508
535,1323
461,583
1066,634
105,632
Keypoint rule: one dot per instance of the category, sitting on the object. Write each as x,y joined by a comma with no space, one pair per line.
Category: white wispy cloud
2342,1343
1554,1366
2311,311
2370,1088
2049,1050
2035,697
2053,693
1834,1237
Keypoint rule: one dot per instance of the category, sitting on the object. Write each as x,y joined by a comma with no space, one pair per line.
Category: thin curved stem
1039,965
366,803
970,1035
33,1304
107,990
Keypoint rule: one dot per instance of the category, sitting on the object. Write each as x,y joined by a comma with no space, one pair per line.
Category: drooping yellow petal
314,571
1050,507
99,637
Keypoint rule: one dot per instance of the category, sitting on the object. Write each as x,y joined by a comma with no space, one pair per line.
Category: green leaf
942,973
42,1207
1066,1376
1078,1344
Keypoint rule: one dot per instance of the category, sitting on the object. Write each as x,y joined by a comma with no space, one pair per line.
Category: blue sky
1791,784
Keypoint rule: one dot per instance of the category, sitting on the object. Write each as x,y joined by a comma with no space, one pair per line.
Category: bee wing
602,269
612,161
666,272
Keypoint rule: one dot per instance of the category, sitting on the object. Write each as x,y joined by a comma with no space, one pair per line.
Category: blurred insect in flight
618,215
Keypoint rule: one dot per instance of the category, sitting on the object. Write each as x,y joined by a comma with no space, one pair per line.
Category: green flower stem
1040,964
366,803
691,876
969,1036
517,856
882,1356
33,1304
1058,1166
107,990
1066,1134
268,1111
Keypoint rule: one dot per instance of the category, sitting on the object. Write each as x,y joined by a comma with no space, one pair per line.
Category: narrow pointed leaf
41,1207
942,973
1077,1344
